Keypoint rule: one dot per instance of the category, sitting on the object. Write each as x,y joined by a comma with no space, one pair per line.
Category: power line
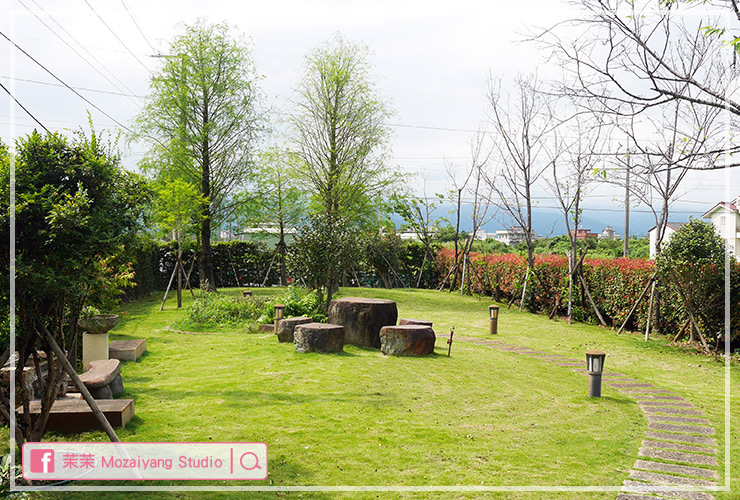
64,83
85,89
146,39
117,37
24,108
81,46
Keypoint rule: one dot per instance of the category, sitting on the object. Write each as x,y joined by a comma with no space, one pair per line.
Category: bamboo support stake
637,303
80,386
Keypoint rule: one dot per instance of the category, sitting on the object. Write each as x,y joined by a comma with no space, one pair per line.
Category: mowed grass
480,417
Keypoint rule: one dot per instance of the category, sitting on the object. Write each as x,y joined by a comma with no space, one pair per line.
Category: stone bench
286,327
318,337
127,350
103,378
407,340
74,414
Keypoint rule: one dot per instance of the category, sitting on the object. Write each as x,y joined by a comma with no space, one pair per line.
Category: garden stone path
677,451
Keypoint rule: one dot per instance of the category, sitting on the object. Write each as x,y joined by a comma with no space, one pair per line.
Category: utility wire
143,35
24,108
131,92
64,83
117,37
85,89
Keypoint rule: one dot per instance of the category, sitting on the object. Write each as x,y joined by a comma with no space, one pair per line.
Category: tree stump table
407,340
363,318
286,327
318,337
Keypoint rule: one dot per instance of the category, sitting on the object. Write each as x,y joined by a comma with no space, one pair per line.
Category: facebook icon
42,461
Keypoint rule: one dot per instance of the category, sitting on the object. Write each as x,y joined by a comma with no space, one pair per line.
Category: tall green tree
203,121
282,203
341,138
341,130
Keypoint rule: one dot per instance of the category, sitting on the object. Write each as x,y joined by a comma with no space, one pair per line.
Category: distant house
608,233
583,234
726,220
670,228
269,234
512,236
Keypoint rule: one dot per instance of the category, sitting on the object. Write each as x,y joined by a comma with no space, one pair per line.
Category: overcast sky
430,58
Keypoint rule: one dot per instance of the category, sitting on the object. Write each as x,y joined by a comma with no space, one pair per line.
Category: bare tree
576,151
480,191
522,124
631,57
660,159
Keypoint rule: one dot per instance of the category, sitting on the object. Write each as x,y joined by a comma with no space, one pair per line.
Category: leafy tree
177,211
279,202
75,210
202,117
340,140
341,131
693,263
324,248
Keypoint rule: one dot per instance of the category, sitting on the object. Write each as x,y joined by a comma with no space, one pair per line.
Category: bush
217,309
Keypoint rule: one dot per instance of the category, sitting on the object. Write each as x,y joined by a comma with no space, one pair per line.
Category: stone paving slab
678,456
636,486
516,349
680,428
630,385
619,382
648,398
669,410
646,391
677,446
686,438
571,363
670,403
683,420
669,480
677,469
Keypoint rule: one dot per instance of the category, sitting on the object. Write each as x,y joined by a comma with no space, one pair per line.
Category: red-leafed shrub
615,285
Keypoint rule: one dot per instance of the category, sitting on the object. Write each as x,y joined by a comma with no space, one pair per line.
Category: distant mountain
549,221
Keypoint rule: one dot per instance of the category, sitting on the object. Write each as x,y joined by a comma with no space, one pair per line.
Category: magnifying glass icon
256,461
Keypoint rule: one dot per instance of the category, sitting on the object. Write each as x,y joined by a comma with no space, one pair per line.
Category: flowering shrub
615,285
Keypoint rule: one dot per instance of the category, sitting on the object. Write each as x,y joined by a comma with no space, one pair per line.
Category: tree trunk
206,261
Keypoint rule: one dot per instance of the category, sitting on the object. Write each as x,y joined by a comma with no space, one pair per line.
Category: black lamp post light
493,316
595,365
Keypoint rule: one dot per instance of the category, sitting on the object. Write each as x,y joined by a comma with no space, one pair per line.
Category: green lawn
481,417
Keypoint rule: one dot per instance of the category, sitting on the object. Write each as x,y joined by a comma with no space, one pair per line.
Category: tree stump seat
363,318
406,321
318,337
407,340
103,378
286,327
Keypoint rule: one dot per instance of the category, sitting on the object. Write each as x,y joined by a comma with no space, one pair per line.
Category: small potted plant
93,321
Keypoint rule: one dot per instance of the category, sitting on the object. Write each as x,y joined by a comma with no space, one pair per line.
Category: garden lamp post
493,316
247,293
279,314
595,365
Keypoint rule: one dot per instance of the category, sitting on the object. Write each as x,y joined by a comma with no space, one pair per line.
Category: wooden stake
524,290
449,341
637,303
591,300
80,386
650,312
